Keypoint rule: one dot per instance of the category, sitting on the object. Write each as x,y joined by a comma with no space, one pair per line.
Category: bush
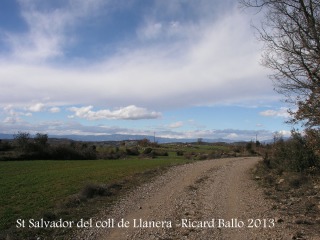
4,146
147,150
293,155
297,181
27,148
160,153
189,156
202,156
64,152
180,153
147,143
214,155
92,190
134,151
22,140
41,139
237,149
73,152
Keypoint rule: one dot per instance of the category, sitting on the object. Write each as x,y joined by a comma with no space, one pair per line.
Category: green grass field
31,188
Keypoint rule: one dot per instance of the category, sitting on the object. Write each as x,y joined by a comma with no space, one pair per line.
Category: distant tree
290,31
249,146
277,137
144,142
41,139
22,139
4,145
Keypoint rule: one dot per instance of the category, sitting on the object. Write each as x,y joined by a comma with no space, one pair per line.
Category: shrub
64,152
190,155
237,149
72,152
160,153
293,155
4,146
41,139
147,150
180,153
297,181
147,143
92,190
202,156
144,142
214,155
22,140
133,151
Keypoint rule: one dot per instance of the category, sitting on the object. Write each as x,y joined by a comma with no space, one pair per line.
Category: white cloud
45,37
153,30
232,136
54,110
128,113
176,124
71,126
285,133
211,68
150,31
47,30
8,109
12,115
282,112
11,120
36,107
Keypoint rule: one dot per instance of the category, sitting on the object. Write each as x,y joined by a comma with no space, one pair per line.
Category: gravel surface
213,199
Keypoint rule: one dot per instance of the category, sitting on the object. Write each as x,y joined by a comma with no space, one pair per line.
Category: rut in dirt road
213,199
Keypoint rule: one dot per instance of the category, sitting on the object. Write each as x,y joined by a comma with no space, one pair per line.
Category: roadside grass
294,196
198,148
30,189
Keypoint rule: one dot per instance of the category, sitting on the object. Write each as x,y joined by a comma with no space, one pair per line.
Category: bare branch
290,31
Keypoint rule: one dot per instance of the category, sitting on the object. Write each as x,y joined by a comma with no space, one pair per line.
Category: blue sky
175,67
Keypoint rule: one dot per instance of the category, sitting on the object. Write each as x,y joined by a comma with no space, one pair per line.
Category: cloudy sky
180,68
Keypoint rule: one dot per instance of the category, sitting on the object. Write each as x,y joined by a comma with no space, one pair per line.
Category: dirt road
213,199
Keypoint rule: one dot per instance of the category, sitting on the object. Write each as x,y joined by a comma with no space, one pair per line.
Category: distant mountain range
123,137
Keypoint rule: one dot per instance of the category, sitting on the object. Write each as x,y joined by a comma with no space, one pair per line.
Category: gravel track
212,199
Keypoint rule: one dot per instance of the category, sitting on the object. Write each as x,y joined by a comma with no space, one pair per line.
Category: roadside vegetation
290,176
63,179
289,31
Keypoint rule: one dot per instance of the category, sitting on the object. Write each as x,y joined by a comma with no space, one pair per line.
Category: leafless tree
290,31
